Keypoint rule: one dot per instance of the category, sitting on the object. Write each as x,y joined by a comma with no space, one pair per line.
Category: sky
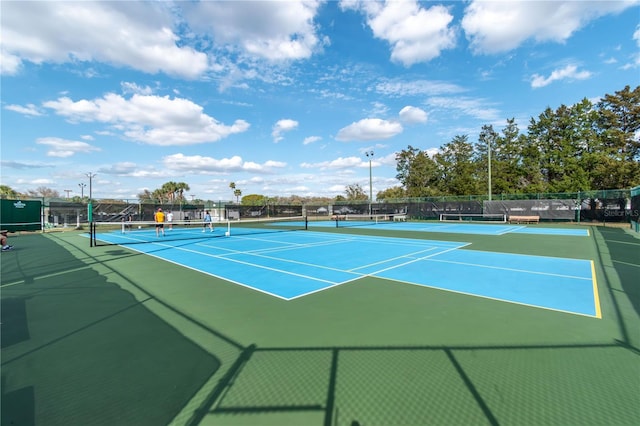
284,97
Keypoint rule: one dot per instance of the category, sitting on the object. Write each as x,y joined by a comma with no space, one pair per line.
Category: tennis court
452,227
328,326
295,264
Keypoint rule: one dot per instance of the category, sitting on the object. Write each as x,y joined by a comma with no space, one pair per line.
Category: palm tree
237,193
232,185
158,195
169,190
181,187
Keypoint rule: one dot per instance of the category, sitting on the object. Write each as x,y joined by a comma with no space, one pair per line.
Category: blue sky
284,97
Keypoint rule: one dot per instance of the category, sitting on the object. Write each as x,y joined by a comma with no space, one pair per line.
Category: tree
456,166
43,191
619,126
417,172
254,200
572,148
354,192
236,192
174,191
393,193
145,195
8,192
560,148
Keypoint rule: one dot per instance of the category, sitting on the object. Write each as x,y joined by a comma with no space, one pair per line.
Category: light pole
68,191
369,155
82,185
90,176
489,159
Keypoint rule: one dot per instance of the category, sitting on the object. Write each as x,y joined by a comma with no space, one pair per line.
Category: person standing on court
207,221
159,218
170,220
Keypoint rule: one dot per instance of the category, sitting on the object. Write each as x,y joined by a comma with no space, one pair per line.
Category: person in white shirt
170,220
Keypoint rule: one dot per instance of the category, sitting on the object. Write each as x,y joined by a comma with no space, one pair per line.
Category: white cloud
285,125
24,164
369,129
477,108
499,26
417,87
153,120
65,148
272,30
635,58
311,139
338,163
29,109
412,115
10,64
130,88
133,34
208,165
570,72
416,34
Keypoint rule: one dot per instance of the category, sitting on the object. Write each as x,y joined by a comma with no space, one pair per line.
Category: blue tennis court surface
456,228
289,265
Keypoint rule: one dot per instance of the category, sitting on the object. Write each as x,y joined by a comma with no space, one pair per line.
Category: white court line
348,271
55,274
405,256
259,253
511,269
412,261
624,242
333,239
512,229
435,287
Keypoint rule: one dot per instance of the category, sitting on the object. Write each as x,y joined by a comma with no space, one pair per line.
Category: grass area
105,335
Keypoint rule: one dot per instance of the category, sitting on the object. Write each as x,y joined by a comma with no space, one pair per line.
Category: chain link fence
588,206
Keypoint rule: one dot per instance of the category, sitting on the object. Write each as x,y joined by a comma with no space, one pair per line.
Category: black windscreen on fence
544,209
635,204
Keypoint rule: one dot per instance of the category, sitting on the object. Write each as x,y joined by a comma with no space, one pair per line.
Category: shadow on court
619,253
426,385
77,349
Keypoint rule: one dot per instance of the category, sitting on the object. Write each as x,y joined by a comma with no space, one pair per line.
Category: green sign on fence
18,215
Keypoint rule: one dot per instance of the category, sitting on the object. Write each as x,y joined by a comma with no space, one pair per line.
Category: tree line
574,148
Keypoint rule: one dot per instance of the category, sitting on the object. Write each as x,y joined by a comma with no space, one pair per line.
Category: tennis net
477,217
136,232
350,220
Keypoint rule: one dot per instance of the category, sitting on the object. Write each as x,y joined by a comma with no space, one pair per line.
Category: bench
400,218
524,219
